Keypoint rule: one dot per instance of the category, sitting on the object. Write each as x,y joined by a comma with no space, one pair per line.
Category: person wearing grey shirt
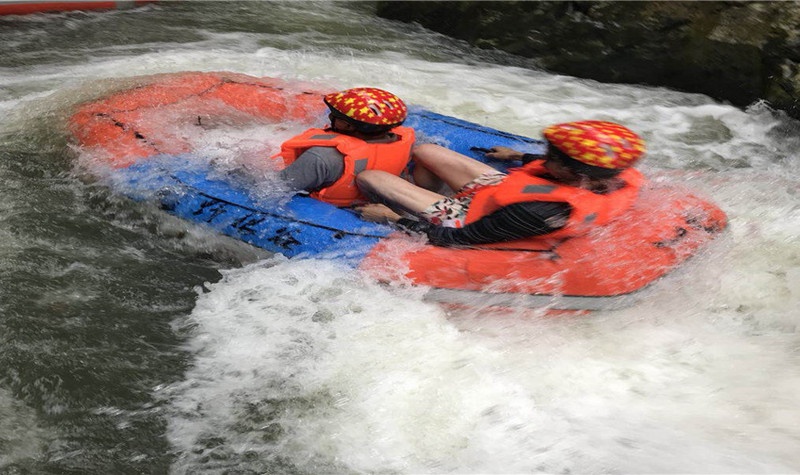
365,133
314,169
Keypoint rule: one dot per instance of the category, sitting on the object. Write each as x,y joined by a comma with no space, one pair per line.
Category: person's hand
377,213
504,153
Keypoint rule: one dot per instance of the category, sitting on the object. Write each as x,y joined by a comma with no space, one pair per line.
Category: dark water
131,342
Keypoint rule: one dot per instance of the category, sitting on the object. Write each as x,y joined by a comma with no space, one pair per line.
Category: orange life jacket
359,155
526,183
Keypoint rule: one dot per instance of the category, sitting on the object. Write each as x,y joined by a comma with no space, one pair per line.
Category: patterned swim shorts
450,212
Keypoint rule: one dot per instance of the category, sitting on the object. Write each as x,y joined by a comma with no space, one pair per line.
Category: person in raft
365,133
584,180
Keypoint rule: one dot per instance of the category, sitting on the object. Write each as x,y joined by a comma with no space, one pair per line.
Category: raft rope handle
268,213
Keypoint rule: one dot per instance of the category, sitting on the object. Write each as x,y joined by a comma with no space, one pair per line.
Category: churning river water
131,342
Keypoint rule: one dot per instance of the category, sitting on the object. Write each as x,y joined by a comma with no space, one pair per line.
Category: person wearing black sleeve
585,179
513,222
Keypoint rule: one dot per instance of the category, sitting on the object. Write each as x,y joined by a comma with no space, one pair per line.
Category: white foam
20,434
364,377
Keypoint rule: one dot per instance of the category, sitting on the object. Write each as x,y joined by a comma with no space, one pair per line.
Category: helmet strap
357,128
579,167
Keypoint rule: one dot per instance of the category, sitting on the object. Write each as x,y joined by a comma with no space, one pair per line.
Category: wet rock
739,52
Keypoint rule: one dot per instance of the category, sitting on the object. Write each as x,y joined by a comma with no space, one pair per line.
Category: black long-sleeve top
516,221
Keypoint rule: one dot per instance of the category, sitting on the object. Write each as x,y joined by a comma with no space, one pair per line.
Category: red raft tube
16,7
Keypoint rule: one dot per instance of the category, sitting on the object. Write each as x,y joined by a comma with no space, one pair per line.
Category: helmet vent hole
375,109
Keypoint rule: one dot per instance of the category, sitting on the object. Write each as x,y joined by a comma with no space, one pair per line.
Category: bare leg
454,169
426,179
395,191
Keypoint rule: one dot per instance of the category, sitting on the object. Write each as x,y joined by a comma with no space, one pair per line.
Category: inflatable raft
140,137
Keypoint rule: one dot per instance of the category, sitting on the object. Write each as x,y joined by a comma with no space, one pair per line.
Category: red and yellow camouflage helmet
597,143
369,105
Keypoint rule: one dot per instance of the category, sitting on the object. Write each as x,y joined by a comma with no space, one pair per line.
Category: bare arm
506,153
